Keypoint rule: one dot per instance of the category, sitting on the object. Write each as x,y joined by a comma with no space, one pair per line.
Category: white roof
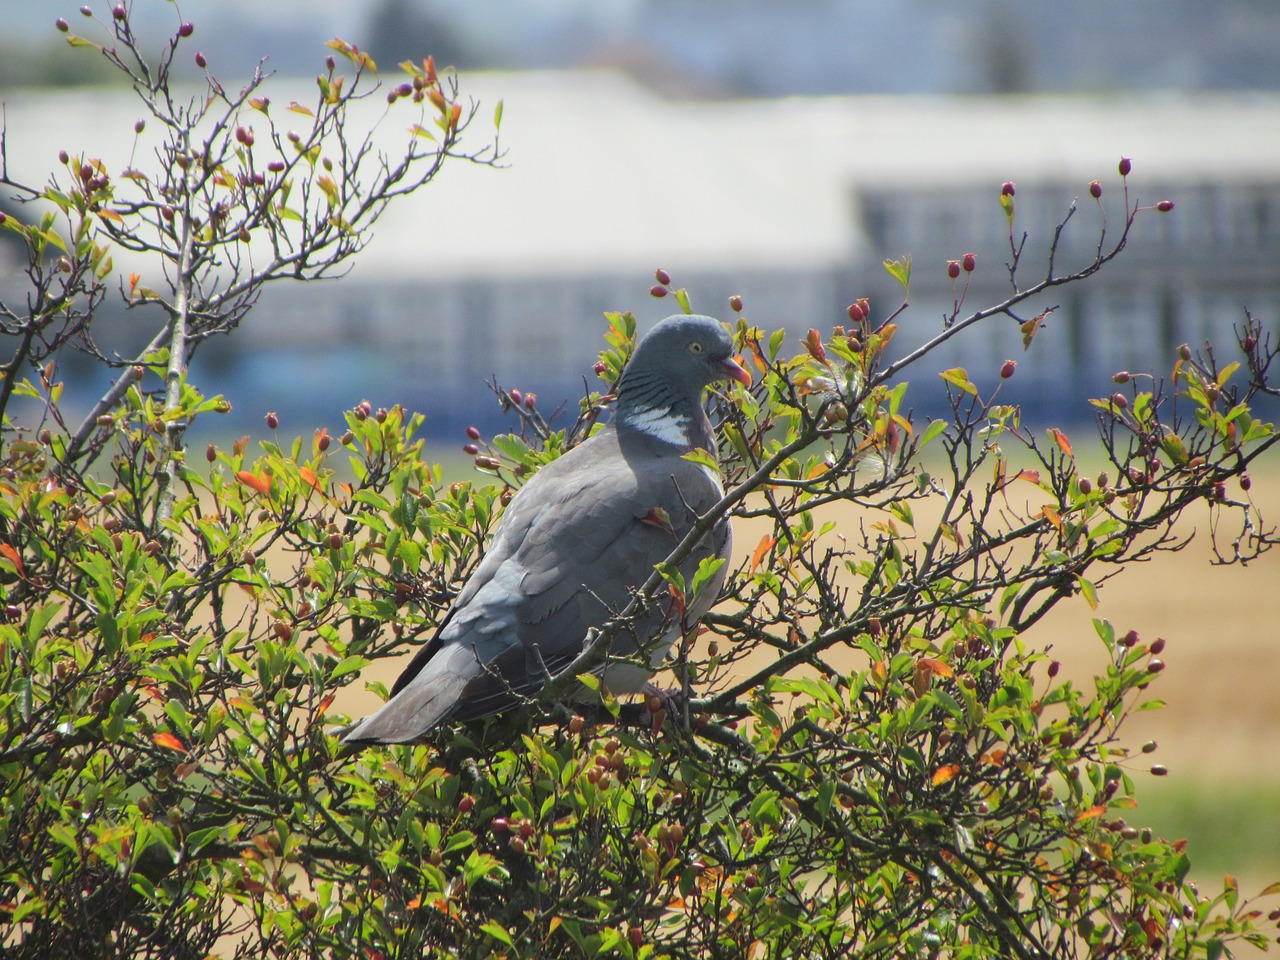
603,176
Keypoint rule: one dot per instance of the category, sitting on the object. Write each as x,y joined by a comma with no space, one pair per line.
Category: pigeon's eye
695,347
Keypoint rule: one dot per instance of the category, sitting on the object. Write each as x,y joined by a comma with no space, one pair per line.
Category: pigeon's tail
425,701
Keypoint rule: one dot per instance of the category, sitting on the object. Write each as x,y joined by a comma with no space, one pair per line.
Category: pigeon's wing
568,553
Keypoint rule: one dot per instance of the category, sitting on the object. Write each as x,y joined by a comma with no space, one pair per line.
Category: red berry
1086,486
470,449
1006,189
498,825
201,62
1119,400
515,395
211,453
969,262
857,312
118,11
657,290
86,11
330,62
1155,666
953,268
1184,351
600,367
1245,482
1164,206
1159,770
1121,376
467,803
1054,667
662,276
1007,368
322,441
276,166
1129,639
1125,166
1095,189
335,541
186,30
62,25
530,401
735,303
1158,646
473,433
272,421
636,936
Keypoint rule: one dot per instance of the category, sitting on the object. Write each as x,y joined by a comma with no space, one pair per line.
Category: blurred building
792,203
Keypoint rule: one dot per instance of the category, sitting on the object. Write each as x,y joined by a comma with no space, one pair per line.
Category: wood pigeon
575,544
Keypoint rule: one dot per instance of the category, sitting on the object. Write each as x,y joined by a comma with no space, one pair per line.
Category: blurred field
1219,734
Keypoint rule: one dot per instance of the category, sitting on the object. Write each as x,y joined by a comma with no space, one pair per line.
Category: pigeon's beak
732,371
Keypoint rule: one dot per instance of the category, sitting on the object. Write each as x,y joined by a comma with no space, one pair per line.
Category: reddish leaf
943,774
765,545
1051,515
935,666
260,484
310,477
170,741
1061,438
325,704
1091,813
9,553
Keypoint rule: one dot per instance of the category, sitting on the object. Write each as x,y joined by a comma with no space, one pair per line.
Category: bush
871,758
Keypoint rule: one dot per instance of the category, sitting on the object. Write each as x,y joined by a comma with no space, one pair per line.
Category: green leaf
682,298
958,377
900,270
349,665
931,432
496,930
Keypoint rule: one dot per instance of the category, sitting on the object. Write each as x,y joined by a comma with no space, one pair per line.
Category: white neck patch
662,425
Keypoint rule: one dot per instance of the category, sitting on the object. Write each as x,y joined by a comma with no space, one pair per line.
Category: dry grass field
1219,734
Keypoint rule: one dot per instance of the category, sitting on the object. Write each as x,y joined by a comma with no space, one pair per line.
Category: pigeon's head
690,352
660,392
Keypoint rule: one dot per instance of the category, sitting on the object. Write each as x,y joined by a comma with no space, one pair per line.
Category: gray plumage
576,542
